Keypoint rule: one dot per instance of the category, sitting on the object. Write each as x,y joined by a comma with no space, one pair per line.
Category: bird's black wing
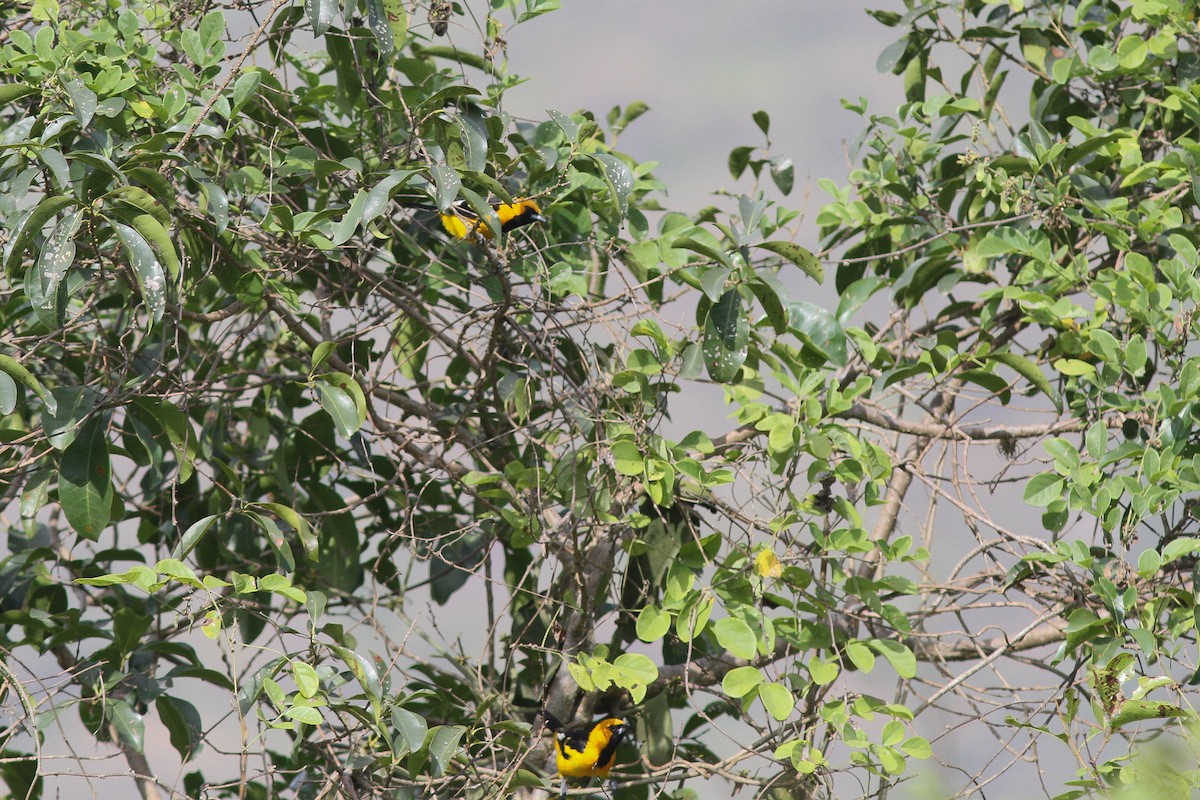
570,738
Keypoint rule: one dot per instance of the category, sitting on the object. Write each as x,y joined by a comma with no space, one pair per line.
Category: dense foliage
304,496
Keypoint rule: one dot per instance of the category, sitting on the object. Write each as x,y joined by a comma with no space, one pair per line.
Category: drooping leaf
31,226
412,728
85,479
17,371
57,255
183,724
320,14
129,724
726,337
343,400
159,238
152,282
619,177
444,746
447,184
1029,371
801,257
83,99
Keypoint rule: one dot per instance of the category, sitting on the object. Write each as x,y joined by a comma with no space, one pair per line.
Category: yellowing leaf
766,563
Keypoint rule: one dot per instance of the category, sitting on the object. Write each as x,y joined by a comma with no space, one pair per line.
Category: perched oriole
588,751
461,222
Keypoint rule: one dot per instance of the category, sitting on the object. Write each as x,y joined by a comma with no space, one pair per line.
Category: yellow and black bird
588,751
461,222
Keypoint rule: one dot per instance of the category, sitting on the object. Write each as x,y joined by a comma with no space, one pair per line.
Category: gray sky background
704,66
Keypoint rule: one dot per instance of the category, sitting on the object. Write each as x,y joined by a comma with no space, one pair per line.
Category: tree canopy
306,498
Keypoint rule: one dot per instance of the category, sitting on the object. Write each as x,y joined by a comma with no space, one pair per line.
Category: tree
264,422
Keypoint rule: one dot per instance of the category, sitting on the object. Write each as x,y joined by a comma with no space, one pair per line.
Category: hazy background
704,67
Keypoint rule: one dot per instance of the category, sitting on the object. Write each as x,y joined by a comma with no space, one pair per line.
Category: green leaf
1140,710
443,747
183,724
57,256
783,173
860,656
340,403
8,394
820,330
691,362
652,624
736,636
705,249
14,91
447,184
726,337
627,458
777,699
32,225
1027,370
693,619
83,99
85,479
284,559
412,728
364,672
740,681
304,714
129,725
712,281
397,17
191,537
619,178
152,282
917,747
377,21
903,660
634,672
16,371
656,729
772,294
1073,366
349,222
306,679
388,21
176,570
1044,489
320,14
801,257
297,523
212,28
823,672
244,88
159,239
381,193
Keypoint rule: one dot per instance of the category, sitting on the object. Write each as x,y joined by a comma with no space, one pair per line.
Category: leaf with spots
152,282
726,337
619,177
56,258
